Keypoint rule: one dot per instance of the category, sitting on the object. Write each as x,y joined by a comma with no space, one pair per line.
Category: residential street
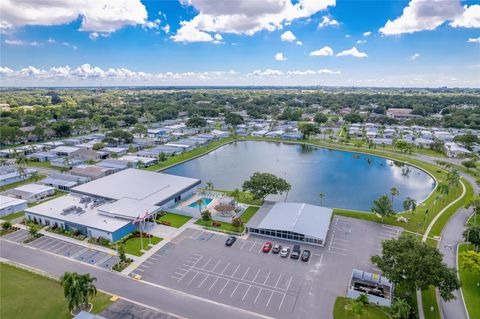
164,299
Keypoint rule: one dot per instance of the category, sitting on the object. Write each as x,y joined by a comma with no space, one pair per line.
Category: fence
228,232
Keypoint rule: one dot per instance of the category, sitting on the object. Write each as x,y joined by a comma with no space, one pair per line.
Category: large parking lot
66,249
199,263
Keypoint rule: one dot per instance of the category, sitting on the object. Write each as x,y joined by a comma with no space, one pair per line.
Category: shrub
6,225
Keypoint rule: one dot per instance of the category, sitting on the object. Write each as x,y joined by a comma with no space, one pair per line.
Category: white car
285,252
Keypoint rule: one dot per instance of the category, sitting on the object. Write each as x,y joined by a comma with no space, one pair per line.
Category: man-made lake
348,180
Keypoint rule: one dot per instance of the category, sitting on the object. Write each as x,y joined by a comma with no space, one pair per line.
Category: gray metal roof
309,220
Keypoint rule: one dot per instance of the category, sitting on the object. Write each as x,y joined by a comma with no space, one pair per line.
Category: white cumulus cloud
367,34
474,40
361,41
470,18
280,57
327,21
288,36
422,15
353,52
243,16
325,51
96,15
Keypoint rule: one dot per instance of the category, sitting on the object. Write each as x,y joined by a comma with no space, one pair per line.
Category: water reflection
348,180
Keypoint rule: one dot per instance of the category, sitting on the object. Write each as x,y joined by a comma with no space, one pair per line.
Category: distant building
64,182
401,114
32,192
10,205
92,171
10,174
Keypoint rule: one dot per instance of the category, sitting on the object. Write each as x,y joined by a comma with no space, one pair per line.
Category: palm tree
322,196
236,196
22,172
35,176
199,203
453,178
78,289
400,308
209,186
410,204
383,207
394,192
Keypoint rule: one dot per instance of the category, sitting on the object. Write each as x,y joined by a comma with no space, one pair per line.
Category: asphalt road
161,298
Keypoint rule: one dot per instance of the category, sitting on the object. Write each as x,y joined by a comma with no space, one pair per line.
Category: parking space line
182,269
203,281
196,274
246,292
220,292
241,247
289,282
216,279
65,245
256,275
55,245
252,246
218,263
173,277
228,265
248,269
233,275
139,269
205,265
281,303
266,278
270,298
256,298
178,273
278,280
236,287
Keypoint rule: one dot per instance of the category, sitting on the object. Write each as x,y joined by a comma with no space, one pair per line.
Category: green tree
363,298
234,119
139,129
471,261
400,309
33,230
62,128
383,206
394,192
6,225
78,289
320,118
322,196
412,264
308,129
121,253
453,178
472,235
237,222
468,164
409,204
98,146
206,215
196,122
357,308
260,185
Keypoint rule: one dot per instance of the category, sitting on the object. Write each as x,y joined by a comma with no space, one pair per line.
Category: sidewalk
149,253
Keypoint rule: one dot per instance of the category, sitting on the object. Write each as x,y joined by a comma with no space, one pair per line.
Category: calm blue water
347,179
205,201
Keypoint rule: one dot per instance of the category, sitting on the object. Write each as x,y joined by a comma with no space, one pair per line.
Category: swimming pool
205,202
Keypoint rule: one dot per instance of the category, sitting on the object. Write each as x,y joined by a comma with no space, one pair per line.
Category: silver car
285,252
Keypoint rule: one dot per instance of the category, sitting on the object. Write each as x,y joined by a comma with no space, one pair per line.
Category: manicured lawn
26,295
45,164
189,155
429,299
248,213
175,220
134,245
371,311
223,226
471,292
27,181
13,216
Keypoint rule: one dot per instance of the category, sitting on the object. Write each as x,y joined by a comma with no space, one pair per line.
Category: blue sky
205,42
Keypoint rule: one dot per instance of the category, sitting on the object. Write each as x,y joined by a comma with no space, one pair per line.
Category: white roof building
148,187
294,221
10,205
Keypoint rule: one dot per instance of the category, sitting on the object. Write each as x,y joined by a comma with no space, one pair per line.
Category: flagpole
141,235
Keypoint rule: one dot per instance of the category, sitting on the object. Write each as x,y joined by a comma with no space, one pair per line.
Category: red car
267,246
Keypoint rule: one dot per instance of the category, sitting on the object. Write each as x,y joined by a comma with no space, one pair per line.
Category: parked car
267,246
276,248
230,241
295,252
285,252
306,255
